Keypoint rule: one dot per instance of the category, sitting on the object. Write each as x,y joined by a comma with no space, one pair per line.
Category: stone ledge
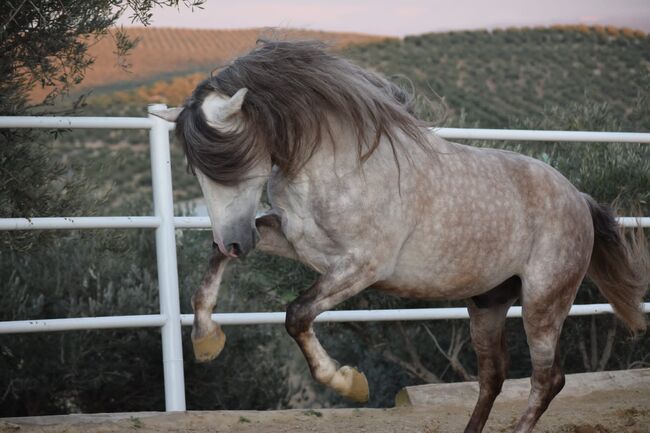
577,385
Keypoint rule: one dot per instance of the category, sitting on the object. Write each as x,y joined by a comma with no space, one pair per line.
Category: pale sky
403,17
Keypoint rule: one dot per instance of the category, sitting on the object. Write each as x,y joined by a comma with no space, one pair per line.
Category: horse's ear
170,114
233,106
221,111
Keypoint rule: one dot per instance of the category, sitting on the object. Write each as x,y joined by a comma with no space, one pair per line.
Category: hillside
493,78
497,77
166,51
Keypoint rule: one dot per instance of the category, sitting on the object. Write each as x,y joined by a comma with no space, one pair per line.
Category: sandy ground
620,411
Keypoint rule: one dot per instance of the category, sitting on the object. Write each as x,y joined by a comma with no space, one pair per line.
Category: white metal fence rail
165,223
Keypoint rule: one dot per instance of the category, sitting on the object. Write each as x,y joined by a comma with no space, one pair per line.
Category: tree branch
416,369
413,367
583,351
594,343
455,346
609,344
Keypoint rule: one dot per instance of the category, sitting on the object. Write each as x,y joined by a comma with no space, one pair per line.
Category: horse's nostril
235,249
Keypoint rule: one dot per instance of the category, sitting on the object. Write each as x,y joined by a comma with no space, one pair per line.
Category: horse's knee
299,318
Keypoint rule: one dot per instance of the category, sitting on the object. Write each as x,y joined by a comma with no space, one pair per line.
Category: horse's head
230,168
232,136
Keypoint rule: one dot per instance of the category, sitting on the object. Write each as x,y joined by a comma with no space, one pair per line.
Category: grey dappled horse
364,194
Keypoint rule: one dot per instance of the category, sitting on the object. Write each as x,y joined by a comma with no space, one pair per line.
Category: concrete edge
577,385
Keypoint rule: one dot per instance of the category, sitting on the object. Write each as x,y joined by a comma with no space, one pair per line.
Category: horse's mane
294,90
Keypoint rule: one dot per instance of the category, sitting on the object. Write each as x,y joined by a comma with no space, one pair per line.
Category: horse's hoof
210,346
358,389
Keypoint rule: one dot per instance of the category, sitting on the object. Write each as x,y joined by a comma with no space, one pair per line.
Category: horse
363,192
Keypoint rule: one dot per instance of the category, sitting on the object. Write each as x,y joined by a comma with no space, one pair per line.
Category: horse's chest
310,241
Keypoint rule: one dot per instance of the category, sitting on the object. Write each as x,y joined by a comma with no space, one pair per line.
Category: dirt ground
620,411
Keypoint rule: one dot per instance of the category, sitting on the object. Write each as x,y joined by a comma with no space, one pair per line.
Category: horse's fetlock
201,328
324,375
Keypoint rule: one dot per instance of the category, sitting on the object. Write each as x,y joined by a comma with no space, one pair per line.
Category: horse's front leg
332,288
207,338
345,280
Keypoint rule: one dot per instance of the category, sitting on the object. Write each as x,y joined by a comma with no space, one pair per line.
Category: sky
403,17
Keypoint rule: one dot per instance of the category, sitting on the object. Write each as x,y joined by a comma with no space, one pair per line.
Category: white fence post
161,183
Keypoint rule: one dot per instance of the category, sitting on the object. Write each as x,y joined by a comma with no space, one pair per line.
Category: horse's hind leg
545,307
487,315
207,338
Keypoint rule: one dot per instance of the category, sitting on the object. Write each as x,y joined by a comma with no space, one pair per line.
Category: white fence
170,320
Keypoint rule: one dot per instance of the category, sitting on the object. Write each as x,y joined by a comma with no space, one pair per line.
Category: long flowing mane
295,89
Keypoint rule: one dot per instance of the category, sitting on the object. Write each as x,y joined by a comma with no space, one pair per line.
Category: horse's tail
620,266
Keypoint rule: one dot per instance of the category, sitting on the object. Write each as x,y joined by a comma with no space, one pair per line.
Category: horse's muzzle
241,242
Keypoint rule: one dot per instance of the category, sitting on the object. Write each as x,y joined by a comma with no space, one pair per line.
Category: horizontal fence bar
62,223
405,314
50,122
276,317
135,222
82,323
112,222
542,135
193,222
62,122
634,222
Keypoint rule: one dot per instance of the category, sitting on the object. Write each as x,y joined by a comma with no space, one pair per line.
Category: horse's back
487,213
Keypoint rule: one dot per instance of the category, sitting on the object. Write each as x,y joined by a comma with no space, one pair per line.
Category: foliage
40,44
44,44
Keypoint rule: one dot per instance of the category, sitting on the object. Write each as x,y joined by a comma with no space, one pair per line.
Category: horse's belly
457,263
429,290
432,285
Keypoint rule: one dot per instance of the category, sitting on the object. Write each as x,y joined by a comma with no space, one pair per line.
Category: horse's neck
338,166
340,158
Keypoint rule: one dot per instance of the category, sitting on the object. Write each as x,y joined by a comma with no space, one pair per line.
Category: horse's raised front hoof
357,385
208,347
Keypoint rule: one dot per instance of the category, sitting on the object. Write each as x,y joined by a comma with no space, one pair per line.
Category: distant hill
164,52
491,78
496,77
